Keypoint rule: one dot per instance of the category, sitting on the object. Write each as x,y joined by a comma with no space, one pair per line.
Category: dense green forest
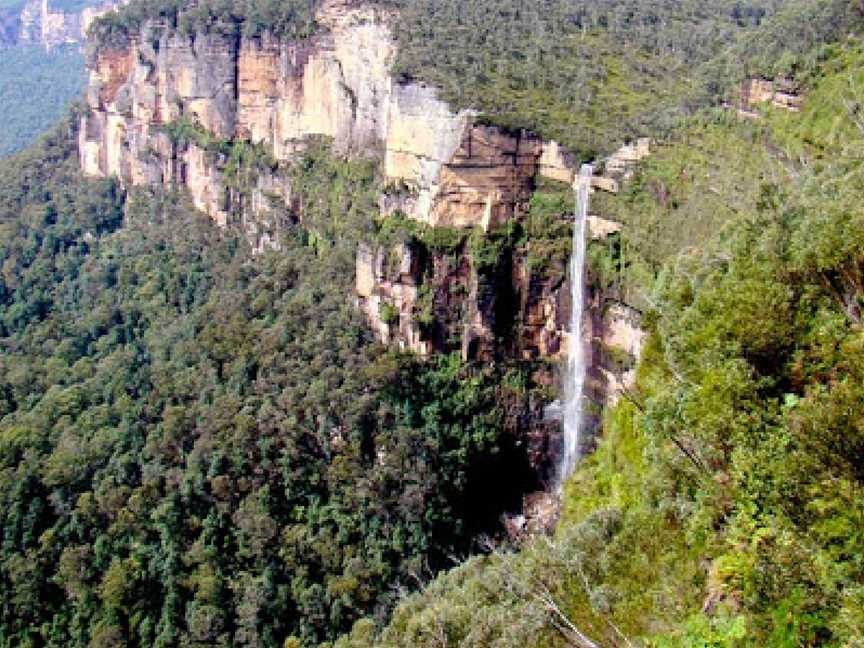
589,73
36,89
199,447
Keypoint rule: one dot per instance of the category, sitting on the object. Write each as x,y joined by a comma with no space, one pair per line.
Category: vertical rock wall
165,108
279,93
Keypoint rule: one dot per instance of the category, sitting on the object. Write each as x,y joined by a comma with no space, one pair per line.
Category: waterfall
574,380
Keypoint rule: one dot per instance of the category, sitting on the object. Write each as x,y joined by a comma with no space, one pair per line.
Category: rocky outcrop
429,301
459,173
624,336
619,166
273,92
435,301
600,228
390,297
781,93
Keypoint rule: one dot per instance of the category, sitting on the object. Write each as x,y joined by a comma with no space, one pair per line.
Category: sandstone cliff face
441,166
276,93
279,93
781,93
432,301
436,301
164,109
537,300
428,301
460,173
38,24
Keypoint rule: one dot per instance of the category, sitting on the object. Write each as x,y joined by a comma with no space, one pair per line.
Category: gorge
291,301
169,109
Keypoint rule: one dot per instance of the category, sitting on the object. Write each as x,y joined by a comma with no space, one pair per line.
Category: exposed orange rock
258,86
489,179
114,66
336,84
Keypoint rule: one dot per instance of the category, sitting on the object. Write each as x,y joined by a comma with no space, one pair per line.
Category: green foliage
549,228
285,18
490,250
185,130
202,447
791,41
613,557
244,164
831,121
585,73
338,196
397,228
240,161
389,314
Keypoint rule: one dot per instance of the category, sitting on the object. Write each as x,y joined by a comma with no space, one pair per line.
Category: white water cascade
574,379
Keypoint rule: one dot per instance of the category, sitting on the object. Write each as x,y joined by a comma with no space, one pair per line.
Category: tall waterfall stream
574,379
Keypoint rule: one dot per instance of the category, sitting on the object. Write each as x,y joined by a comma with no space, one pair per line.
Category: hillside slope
723,505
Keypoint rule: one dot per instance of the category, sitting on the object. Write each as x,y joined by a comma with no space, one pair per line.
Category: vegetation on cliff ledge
282,18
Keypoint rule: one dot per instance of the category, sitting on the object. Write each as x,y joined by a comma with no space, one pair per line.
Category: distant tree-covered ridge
36,89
